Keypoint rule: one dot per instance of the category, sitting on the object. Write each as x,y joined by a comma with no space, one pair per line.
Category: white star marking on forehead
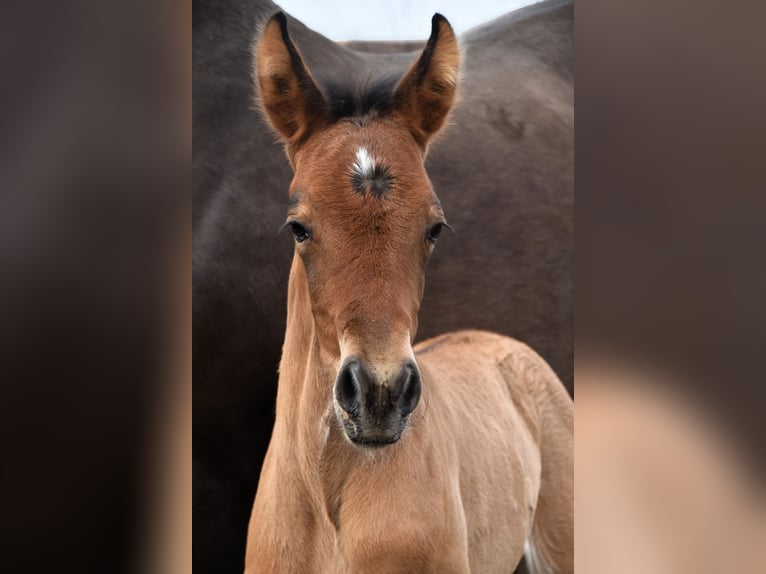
364,166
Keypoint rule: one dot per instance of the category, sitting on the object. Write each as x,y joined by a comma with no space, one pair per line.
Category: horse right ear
288,94
427,92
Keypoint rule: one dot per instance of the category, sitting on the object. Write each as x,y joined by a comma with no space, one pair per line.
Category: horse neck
312,449
306,371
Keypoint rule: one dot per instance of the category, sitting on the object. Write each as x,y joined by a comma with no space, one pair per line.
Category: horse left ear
426,93
289,96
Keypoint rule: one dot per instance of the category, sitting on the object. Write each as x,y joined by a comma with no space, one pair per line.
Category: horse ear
288,94
427,91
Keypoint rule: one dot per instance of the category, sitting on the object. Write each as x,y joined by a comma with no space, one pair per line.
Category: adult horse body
357,479
504,175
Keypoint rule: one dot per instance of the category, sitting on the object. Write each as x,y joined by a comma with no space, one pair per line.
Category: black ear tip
437,20
436,24
281,19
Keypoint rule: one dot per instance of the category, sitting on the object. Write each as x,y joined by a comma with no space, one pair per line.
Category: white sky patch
364,166
393,19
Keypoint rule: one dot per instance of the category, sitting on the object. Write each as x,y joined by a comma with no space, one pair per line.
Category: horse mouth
356,434
377,442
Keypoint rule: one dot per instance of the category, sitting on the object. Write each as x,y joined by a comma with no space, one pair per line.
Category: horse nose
356,390
351,386
407,388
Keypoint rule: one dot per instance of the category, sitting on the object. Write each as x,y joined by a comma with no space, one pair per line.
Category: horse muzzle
375,412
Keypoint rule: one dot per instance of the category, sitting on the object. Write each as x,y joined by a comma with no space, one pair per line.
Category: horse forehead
375,158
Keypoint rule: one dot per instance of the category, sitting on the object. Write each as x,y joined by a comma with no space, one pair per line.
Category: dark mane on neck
359,99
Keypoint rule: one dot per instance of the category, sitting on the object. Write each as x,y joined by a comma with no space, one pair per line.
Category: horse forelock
359,99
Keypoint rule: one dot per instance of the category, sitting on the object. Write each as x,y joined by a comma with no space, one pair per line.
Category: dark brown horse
503,172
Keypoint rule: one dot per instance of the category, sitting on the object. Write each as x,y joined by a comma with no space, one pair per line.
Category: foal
448,458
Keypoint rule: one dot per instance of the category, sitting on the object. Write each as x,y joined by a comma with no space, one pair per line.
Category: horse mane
358,99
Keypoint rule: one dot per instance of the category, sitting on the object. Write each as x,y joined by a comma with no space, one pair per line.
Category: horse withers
451,457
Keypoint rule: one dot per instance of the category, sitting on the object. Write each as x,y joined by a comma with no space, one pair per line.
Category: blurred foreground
661,487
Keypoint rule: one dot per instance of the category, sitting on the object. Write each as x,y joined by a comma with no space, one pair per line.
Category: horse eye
301,233
433,232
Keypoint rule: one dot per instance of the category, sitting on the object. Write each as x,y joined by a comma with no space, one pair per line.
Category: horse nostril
410,390
348,391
